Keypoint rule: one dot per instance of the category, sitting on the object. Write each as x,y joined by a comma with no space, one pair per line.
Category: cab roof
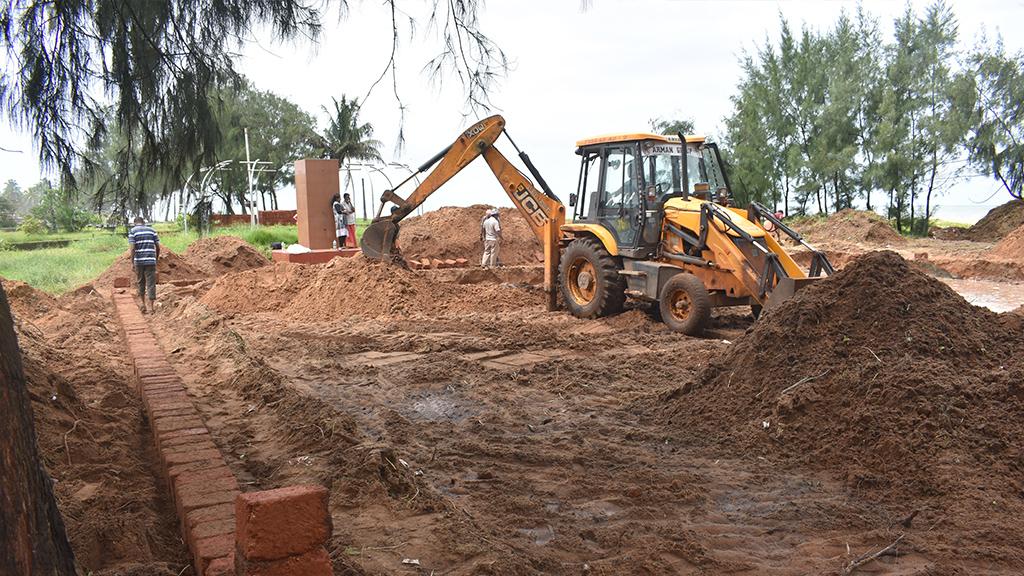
635,137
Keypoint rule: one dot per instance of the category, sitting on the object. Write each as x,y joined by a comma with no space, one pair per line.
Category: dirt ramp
169,267
882,376
222,254
999,222
454,232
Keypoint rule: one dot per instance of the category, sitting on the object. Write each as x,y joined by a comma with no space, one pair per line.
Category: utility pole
249,166
363,182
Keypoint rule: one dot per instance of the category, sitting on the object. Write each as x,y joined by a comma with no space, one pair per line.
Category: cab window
621,199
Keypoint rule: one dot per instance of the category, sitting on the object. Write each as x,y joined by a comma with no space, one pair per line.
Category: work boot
152,306
142,307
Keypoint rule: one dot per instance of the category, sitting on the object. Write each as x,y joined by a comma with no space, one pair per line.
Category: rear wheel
685,304
589,280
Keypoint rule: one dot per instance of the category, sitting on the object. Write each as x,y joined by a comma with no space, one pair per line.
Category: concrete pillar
316,181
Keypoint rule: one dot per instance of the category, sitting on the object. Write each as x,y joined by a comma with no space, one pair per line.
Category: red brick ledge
282,532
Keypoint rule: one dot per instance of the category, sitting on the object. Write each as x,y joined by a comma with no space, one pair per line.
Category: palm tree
345,139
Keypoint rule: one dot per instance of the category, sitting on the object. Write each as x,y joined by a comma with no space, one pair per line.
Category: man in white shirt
490,229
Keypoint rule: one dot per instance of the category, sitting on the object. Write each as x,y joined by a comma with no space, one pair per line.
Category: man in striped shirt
144,248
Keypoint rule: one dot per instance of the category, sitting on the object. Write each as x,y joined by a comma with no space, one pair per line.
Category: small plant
32,226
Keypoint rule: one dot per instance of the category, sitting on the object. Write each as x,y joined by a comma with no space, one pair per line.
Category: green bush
32,226
265,235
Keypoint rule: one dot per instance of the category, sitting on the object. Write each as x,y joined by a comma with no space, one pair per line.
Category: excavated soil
92,437
458,423
1011,247
999,222
454,232
851,226
222,254
890,382
462,425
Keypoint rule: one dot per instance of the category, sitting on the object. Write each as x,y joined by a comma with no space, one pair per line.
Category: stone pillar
282,532
316,181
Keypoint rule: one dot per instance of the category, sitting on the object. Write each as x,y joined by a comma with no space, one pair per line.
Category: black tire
685,304
589,279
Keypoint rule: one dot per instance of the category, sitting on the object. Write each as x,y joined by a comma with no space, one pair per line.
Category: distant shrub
32,226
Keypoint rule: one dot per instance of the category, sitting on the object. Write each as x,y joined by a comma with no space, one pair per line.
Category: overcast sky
575,72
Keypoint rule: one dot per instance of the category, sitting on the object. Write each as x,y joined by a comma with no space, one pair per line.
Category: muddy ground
459,424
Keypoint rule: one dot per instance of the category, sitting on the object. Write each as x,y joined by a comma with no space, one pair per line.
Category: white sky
576,73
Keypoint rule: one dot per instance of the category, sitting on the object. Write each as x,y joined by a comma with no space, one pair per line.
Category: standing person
144,249
340,229
490,229
349,210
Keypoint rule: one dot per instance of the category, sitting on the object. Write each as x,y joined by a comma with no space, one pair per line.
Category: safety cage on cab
624,184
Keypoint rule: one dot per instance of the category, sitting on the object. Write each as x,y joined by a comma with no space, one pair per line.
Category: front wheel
589,280
685,304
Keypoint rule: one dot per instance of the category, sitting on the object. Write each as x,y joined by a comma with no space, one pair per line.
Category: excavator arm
543,211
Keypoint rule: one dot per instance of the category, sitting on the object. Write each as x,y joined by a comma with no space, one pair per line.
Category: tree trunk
785,201
928,196
32,536
817,194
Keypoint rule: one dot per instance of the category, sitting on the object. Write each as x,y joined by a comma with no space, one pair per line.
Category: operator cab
625,180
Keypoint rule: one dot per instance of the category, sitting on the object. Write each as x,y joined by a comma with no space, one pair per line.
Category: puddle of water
438,405
541,536
996,296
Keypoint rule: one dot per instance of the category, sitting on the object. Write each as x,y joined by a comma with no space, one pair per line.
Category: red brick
425,262
178,469
204,444
156,406
186,500
212,528
274,524
163,425
178,395
181,456
222,566
200,436
214,484
413,264
313,563
437,263
171,412
209,549
209,514
461,262
450,263
204,475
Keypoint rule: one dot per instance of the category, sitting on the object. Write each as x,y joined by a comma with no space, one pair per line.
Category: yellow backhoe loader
651,222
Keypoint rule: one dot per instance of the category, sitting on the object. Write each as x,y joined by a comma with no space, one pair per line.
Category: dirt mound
850,225
1011,247
222,254
454,232
169,267
999,222
356,287
882,376
27,302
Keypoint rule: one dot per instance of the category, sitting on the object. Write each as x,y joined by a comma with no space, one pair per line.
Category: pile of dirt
454,232
169,267
854,226
1011,247
999,222
93,441
222,254
883,377
357,287
27,302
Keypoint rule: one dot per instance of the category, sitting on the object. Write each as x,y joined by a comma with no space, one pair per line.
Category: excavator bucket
378,241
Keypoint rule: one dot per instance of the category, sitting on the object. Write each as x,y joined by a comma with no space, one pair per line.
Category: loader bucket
786,288
378,241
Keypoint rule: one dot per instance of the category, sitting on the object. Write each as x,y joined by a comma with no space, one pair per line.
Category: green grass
57,270
940,223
